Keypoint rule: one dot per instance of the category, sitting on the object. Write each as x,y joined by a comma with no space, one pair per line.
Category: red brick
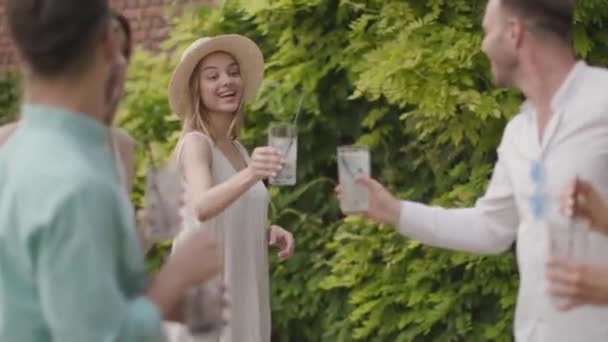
139,36
117,4
134,25
154,11
146,24
132,13
158,22
146,18
160,34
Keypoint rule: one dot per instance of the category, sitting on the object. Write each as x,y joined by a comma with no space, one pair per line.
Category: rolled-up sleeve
81,292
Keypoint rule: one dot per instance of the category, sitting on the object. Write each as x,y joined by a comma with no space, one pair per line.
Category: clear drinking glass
353,162
204,309
568,237
284,137
163,199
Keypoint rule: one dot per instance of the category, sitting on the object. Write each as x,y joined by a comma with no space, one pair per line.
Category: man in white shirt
564,125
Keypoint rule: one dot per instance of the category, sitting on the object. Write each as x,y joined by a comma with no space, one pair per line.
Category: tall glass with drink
353,162
163,197
205,310
284,137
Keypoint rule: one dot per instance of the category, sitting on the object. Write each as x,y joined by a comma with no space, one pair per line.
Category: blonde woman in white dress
225,192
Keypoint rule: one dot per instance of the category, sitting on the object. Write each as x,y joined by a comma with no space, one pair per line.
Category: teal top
71,268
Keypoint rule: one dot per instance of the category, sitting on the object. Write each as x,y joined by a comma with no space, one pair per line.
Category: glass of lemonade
284,137
568,237
163,203
353,162
204,310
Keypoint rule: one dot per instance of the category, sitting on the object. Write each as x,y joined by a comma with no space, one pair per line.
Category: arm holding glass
209,200
77,264
487,228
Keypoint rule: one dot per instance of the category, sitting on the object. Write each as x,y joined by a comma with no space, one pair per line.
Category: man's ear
516,32
109,41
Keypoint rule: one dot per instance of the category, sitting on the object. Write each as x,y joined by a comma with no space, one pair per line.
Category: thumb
368,182
582,187
273,237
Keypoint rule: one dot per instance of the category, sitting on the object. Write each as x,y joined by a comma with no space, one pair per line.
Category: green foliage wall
10,93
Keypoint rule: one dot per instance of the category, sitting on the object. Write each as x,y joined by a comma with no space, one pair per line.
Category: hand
579,199
266,162
383,207
282,239
178,313
197,260
579,284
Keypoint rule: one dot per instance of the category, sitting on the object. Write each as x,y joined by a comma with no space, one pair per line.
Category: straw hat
244,50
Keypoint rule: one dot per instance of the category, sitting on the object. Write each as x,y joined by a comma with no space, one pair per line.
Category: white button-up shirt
575,143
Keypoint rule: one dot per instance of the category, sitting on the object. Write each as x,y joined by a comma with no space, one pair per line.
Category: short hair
554,17
56,36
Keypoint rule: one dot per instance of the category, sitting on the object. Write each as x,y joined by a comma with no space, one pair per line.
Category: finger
273,239
268,158
564,302
566,201
267,151
268,168
569,305
583,187
368,182
290,244
225,300
563,268
338,189
286,251
268,164
273,150
582,208
566,284
265,172
561,288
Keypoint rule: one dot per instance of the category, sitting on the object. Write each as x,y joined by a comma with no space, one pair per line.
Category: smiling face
221,85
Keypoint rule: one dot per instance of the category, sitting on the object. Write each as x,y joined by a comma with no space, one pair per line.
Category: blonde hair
197,117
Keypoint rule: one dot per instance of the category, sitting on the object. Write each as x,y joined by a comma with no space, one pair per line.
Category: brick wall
146,17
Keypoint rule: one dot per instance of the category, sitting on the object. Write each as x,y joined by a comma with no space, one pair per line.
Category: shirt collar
564,92
78,125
